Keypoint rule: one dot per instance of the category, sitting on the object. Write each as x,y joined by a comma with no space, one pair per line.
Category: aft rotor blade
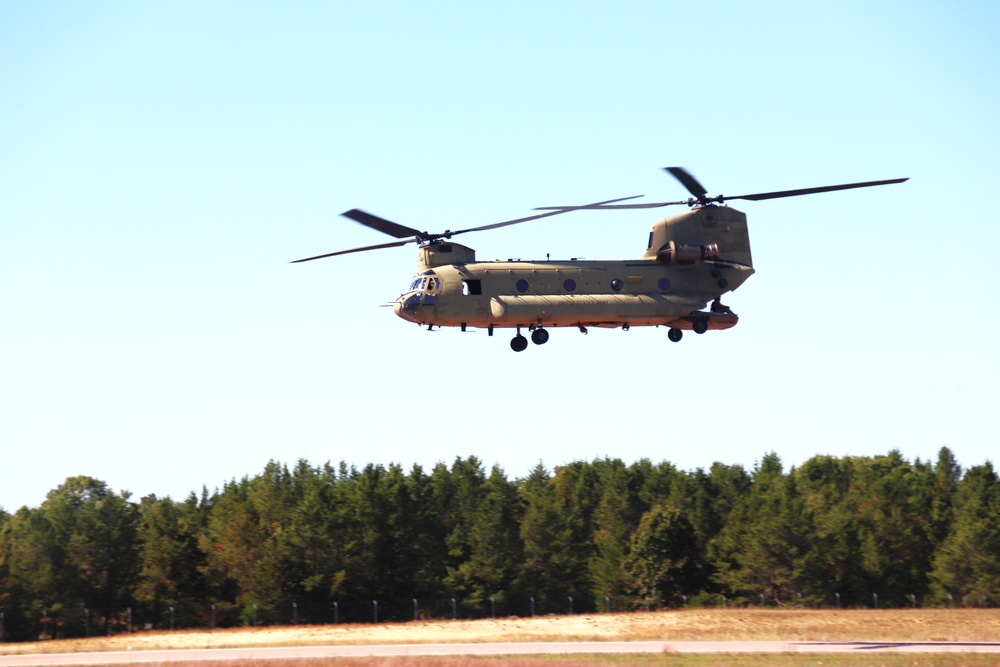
754,197
552,211
345,252
812,191
614,207
381,224
688,181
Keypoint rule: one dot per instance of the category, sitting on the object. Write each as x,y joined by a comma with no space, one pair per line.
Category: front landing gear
539,336
675,335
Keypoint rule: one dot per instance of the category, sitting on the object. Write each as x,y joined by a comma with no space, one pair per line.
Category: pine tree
663,559
967,565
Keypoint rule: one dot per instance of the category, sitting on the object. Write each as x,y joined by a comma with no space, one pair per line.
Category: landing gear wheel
539,336
675,335
519,343
700,326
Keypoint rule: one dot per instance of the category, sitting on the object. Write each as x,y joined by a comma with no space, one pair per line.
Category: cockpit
423,291
429,282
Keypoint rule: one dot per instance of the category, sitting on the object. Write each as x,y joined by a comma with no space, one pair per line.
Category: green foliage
601,532
79,549
663,559
764,547
967,566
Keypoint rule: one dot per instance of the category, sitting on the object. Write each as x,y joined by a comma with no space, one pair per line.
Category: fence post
984,600
45,623
86,621
685,598
607,604
295,613
213,617
172,617
1,627
875,600
454,609
950,600
493,608
532,607
838,599
571,604
254,614
414,609
761,599
913,600
336,613
130,620
374,611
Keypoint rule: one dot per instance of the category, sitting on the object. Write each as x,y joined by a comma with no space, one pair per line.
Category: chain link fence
78,623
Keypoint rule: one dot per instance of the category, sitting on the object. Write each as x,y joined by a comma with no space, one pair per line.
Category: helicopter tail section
707,233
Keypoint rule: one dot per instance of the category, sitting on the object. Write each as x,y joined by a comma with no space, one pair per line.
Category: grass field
966,625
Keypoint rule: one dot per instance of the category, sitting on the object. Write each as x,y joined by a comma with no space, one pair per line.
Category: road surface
399,650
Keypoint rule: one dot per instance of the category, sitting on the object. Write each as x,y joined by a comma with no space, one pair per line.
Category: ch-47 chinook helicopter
690,261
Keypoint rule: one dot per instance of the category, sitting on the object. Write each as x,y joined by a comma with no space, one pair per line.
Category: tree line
591,532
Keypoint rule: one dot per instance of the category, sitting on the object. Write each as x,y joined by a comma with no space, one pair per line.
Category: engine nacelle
680,254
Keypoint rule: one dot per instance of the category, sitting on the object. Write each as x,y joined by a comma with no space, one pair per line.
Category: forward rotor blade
688,181
345,252
812,191
553,210
381,224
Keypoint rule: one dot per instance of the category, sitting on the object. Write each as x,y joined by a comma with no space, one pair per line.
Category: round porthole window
664,284
617,284
521,285
569,285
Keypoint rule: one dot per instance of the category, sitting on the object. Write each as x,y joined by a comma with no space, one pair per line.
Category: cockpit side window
426,281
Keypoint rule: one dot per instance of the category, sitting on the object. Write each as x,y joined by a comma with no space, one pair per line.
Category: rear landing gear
519,343
539,336
675,335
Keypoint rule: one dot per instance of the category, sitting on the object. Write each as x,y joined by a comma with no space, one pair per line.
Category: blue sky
160,164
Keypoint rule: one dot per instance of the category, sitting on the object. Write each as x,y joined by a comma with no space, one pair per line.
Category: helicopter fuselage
686,265
690,260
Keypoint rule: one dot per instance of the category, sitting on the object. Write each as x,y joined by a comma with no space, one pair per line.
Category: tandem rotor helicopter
690,261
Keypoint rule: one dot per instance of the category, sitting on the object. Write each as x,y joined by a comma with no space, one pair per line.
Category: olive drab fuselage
690,260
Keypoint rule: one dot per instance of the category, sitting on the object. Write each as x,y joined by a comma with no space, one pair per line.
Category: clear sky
161,162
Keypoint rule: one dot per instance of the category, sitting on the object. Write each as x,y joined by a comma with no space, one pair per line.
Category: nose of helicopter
406,305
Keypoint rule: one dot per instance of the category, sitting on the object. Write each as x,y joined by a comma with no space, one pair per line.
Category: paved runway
398,650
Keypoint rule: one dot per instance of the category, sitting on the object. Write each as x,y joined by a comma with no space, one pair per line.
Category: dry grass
642,660
969,625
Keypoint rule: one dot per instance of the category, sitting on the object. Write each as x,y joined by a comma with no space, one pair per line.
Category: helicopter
690,261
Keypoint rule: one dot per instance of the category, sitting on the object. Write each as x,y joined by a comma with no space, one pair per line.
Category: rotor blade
345,252
811,191
381,224
755,197
561,209
688,181
602,207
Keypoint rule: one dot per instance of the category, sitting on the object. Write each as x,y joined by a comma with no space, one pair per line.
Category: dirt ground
968,625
